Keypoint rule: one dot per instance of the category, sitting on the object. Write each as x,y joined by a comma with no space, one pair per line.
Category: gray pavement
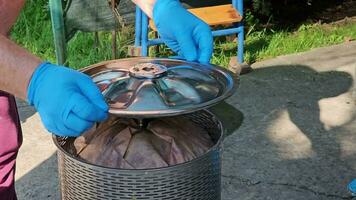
291,132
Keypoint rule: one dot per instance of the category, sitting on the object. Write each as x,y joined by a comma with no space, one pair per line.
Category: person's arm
183,32
146,6
16,68
9,10
68,101
15,61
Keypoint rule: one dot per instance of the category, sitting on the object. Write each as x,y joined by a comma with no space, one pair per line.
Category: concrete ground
291,132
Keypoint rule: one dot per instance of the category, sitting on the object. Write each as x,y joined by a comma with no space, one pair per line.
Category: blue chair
142,26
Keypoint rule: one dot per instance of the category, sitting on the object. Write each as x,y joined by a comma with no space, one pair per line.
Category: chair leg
135,50
144,38
113,38
56,11
239,4
240,47
156,47
113,45
96,40
138,26
234,4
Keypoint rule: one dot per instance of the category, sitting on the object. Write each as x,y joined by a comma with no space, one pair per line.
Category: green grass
33,31
262,45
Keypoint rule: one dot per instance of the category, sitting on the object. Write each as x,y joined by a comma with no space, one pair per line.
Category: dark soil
291,13
345,11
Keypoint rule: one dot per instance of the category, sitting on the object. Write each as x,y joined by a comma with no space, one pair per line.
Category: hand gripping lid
151,87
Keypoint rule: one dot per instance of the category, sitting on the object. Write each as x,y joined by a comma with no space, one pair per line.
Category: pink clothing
10,142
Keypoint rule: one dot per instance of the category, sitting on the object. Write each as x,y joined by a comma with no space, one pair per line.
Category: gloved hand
183,32
68,101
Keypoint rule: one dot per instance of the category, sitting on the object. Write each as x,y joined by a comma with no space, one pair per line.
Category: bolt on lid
151,87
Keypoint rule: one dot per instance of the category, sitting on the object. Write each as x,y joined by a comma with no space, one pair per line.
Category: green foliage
263,7
33,31
291,12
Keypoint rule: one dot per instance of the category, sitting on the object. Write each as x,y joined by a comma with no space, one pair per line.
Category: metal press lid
147,87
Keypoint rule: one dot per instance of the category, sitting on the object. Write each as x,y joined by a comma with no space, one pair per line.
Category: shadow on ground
26,110
287,148
290,135
40,183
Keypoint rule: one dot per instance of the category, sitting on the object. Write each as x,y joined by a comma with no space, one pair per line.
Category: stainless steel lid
147,87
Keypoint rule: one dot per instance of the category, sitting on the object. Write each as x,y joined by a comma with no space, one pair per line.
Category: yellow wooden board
214,15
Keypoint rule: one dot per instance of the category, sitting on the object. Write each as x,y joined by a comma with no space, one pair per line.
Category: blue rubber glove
68,101
184,33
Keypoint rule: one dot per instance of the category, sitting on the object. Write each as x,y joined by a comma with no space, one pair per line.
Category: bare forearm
9,10
146,6
16,64
16,67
